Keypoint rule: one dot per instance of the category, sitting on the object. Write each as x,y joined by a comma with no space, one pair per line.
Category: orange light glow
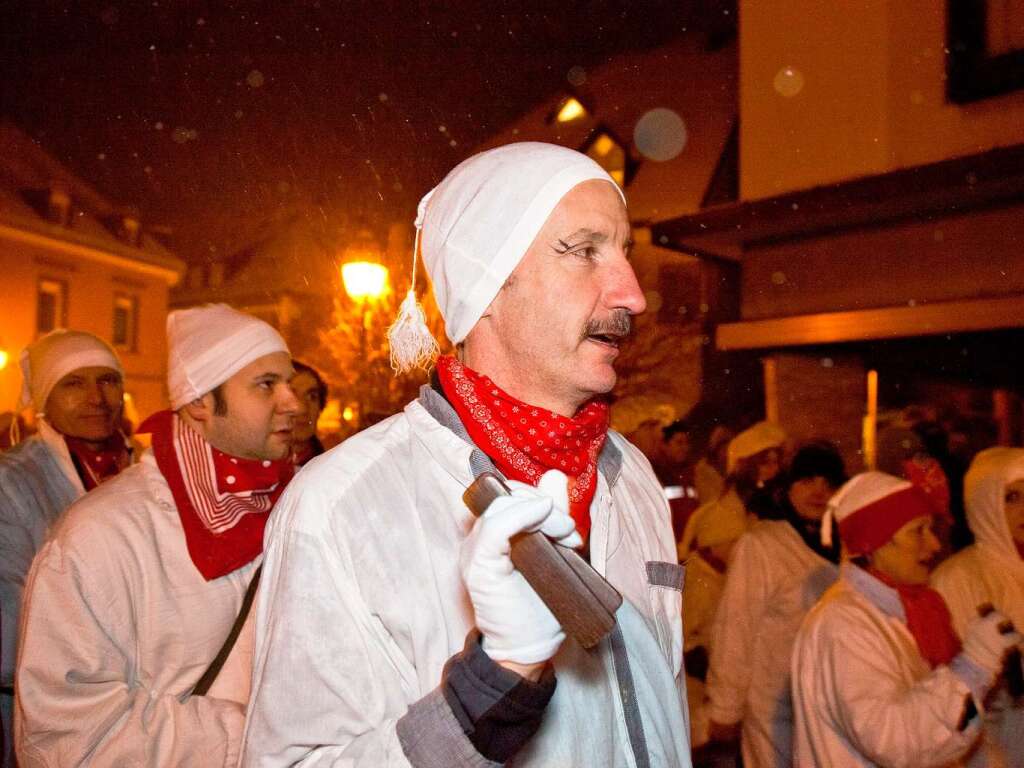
364,279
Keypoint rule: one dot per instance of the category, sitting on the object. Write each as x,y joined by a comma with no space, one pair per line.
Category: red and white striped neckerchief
523,441
223,501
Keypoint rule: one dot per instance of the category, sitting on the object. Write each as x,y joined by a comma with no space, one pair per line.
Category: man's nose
287,402
95,393
624,290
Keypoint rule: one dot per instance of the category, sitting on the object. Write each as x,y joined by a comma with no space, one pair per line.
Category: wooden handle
578,596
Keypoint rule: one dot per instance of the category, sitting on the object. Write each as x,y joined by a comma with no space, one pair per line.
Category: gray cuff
432,737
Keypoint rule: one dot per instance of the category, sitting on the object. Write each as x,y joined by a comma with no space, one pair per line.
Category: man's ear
200,409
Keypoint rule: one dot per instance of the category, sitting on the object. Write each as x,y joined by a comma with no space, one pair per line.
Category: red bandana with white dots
97,465
223,501
524,442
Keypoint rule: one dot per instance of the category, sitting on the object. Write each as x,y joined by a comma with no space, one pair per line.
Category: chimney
130,227
58,203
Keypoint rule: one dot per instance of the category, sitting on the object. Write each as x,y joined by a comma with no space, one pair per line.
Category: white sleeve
734,632
325,691
78,697
962,590
890,723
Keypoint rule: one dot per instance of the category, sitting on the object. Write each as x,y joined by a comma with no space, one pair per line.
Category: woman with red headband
879,675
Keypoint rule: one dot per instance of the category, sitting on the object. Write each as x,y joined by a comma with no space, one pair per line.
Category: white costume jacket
118,626
701,595
862,692
990,571
38,481
771,583
361,605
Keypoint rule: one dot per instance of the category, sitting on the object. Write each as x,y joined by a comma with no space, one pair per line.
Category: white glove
985,645
515,624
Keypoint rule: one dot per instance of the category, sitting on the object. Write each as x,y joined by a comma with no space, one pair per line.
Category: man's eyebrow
268,375
587,234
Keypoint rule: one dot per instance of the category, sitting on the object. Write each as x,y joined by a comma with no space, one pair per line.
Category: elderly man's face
87,403
557,324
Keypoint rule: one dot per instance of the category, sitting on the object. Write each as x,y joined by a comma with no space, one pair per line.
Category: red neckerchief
928,620
524,442
97,465
223,501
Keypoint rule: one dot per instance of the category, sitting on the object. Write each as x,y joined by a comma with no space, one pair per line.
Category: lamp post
364,281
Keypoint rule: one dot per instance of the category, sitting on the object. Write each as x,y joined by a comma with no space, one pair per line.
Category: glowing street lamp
364,280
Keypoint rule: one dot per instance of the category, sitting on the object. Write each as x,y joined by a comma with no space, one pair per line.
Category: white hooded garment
990,571
862,693
362,604
772,580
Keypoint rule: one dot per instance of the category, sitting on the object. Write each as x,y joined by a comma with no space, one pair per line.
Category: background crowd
748,507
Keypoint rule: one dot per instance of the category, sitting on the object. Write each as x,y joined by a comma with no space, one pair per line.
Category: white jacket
990,571
362,604
703,590
862,693
772,580
117,627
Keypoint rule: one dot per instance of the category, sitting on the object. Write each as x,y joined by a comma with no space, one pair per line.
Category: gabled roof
28,172
683,76
289,254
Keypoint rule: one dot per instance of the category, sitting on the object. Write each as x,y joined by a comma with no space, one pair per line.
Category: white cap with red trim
870,508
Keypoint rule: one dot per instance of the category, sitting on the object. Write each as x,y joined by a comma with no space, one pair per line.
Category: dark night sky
215,117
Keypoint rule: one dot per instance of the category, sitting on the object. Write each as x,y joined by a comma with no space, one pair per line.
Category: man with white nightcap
134,594
393,629
879,675
74,383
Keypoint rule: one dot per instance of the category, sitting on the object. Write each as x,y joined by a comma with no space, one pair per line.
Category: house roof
683,76
28,172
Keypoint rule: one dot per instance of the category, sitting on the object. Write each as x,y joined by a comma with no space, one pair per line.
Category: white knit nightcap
477,225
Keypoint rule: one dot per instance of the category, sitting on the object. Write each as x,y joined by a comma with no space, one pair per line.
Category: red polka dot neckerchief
524,441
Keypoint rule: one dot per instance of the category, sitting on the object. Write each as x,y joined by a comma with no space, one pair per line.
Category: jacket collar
882,596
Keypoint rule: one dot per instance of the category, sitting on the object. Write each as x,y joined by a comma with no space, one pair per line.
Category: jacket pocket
665,589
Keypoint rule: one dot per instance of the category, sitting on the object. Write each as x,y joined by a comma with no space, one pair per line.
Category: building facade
69,258
879,230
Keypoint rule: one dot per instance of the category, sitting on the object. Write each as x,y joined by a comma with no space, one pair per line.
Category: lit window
126,310
51,305
610,155
570,110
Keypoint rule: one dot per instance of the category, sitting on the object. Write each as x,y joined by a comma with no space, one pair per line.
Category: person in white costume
753,461
776,573
879,675
392,629
133,595
74,383
705,582
991,571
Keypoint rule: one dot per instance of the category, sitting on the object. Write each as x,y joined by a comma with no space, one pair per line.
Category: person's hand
988,639
516,625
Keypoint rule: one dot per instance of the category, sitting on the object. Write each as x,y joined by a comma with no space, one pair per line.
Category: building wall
91,288
872,98
979,255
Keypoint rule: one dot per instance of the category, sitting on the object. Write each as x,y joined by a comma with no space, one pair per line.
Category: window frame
56,287
131,304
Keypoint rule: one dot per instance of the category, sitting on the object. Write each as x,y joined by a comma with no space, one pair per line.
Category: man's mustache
619,325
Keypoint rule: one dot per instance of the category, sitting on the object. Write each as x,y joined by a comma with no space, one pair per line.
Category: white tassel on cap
412,344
